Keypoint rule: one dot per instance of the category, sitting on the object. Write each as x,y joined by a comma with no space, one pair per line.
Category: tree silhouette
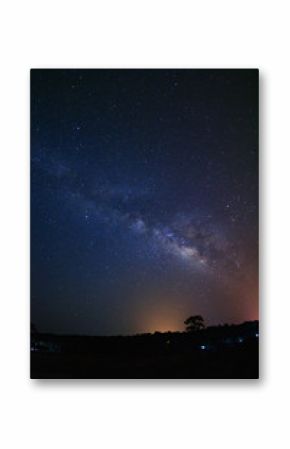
194,323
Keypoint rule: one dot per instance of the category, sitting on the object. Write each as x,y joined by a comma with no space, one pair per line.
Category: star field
144,199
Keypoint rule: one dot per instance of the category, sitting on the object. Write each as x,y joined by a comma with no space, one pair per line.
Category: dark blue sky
144,199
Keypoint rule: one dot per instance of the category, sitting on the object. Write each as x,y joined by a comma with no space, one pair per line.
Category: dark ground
223,352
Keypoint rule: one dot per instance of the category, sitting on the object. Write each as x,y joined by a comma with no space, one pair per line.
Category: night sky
144,199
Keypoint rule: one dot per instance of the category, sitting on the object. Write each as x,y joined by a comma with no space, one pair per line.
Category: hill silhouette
225,351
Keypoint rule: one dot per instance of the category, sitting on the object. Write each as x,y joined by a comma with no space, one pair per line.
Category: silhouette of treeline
212,337
225,351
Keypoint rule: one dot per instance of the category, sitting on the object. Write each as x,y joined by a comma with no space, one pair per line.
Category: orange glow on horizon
161,318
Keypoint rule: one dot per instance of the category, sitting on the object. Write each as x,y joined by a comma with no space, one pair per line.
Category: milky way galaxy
144,199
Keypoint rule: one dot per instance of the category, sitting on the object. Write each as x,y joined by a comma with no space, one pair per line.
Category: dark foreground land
222,352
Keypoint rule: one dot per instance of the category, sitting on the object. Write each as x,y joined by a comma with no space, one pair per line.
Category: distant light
203,347
241,340
257,335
